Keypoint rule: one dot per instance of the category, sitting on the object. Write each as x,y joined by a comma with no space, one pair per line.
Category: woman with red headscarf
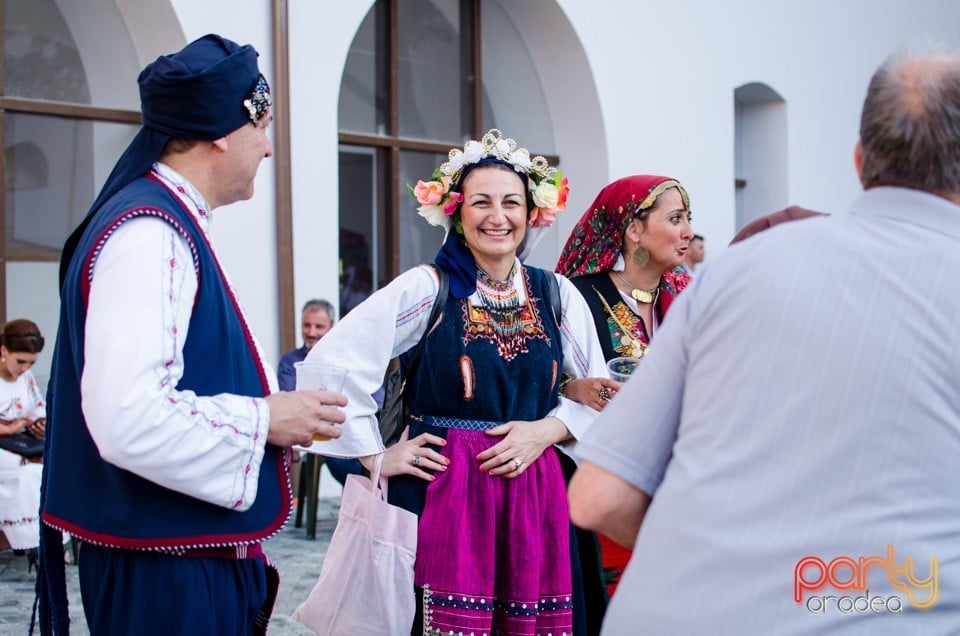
622,256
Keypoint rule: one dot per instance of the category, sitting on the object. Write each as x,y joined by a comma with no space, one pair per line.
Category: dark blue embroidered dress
493,553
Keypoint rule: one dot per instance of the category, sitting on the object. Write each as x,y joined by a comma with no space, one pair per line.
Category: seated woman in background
22,410
621,256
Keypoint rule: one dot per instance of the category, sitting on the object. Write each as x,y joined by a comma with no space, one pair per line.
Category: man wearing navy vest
167,449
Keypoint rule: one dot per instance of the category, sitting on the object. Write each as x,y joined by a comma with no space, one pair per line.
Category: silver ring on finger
416,460
517,464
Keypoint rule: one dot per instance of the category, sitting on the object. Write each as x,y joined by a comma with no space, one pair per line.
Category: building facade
752,105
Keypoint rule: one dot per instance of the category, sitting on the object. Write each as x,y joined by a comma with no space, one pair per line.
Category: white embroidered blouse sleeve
380,328
582,356
141,298
37,405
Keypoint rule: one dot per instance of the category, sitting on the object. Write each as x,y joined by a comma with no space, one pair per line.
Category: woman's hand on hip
411,457
522,444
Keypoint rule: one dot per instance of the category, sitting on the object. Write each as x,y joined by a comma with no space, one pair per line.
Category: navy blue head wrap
205,91
454,255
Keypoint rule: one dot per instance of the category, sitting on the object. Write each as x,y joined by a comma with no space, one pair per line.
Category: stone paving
297,558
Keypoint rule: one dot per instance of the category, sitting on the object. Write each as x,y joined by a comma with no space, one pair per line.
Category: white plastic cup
622,368
319,376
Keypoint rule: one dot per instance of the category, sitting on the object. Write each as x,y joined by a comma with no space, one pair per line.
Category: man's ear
221,144
858,160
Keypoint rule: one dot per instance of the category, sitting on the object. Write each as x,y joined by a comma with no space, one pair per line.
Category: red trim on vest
86,274
202,543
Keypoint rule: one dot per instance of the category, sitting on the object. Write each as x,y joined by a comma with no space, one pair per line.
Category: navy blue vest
100,502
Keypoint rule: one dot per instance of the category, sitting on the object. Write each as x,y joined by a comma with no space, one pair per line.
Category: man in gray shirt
785,460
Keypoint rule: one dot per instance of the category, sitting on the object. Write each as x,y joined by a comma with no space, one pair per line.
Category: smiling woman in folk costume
621,255
479,464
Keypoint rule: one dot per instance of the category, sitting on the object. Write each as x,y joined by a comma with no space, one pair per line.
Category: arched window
422,76
760,151
68,107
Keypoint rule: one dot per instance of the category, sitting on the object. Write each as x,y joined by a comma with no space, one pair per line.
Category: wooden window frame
67,110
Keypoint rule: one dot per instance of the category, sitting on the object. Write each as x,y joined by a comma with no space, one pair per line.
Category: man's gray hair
316,304
910,126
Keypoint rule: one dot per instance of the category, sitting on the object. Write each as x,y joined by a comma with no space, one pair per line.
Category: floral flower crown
438,198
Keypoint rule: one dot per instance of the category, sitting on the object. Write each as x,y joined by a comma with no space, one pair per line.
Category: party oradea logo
813,577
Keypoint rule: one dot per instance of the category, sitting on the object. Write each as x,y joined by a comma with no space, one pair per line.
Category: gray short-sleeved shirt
802,399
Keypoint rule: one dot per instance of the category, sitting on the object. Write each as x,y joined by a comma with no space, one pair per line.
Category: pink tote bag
366,582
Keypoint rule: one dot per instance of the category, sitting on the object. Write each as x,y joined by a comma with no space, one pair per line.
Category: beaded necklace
501,301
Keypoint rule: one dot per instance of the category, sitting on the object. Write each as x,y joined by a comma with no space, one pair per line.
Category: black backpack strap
555,303
414,358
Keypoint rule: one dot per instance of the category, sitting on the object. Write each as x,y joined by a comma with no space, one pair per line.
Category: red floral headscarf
597,238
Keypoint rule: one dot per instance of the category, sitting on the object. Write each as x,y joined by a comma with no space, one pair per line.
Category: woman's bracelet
564,381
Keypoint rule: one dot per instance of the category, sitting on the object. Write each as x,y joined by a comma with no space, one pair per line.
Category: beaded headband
439,198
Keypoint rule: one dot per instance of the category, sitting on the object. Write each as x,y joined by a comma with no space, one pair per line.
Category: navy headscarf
196,93
454,255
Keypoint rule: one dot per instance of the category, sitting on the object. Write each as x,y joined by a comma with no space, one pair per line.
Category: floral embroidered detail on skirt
515,615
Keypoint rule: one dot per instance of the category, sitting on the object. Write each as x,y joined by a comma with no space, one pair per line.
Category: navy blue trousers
134,592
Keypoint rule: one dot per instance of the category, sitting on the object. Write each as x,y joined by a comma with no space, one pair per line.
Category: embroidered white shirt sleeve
363,343
582,357
141,297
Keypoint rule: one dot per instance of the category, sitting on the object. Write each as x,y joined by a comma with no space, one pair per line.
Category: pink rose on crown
431,192
542,217
453,200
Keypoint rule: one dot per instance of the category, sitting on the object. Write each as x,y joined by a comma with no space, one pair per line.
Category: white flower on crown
520,158
473,152
545,194
455,164
433,214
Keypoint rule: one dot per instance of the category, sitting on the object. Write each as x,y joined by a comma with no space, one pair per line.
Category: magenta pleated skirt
493,554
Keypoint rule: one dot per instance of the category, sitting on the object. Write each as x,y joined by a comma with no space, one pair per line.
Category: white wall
245,232
666,75
32,294
574,108
320,37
